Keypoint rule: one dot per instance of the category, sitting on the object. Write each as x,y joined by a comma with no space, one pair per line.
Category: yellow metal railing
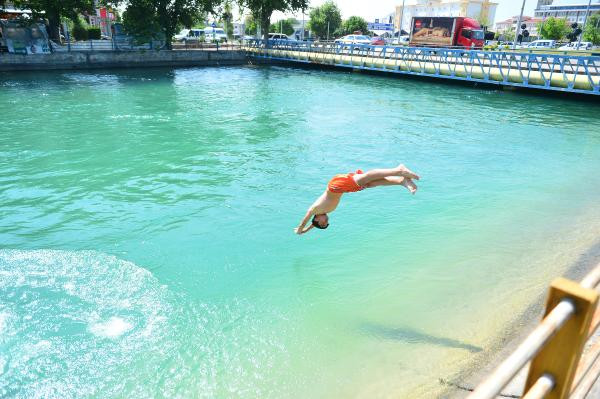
554,348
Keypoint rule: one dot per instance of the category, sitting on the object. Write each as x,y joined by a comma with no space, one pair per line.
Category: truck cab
469,33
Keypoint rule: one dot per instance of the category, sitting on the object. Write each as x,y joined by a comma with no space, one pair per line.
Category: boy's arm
303,231
300,229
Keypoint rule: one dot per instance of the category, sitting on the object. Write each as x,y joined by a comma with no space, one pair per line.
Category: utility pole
303,24
401,20
328,30
587,11
518,26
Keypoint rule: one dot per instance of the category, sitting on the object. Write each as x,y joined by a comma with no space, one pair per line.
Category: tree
286,26
151,19
509,34
53,10
227,17
591,31
263,9
483,20
251,25
353,24
553,28
325,20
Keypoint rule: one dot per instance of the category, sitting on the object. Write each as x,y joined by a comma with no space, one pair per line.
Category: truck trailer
446,32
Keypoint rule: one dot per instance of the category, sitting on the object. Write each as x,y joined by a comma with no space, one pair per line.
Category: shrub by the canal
79,32
93,33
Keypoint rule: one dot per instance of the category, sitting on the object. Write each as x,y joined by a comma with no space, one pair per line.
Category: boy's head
321,221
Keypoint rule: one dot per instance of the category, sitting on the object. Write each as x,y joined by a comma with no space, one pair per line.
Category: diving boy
351,182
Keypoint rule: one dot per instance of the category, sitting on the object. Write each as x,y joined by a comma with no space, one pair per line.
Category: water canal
146,243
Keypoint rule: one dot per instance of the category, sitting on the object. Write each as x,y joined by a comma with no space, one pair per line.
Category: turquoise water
146,230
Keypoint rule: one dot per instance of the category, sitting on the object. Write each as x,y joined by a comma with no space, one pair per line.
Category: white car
353,39
543,44
182,33
214,35
278,36
404,40
190,35
573,46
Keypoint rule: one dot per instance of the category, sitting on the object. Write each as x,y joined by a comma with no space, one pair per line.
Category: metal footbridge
541,71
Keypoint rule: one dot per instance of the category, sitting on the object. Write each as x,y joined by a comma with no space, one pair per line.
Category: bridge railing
554,348
577,73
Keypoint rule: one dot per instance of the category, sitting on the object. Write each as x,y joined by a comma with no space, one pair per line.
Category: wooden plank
561,355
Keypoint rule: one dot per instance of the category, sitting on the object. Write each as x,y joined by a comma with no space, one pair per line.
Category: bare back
326,203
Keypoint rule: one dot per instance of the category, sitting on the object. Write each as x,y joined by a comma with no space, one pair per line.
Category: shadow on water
413,336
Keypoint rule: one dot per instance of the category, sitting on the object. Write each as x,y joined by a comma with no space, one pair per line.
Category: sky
371,9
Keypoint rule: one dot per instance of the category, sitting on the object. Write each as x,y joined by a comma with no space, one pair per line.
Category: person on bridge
351,182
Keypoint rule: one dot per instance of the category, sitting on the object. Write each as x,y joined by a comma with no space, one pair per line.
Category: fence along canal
557,72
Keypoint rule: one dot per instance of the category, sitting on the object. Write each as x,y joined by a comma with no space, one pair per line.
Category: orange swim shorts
344,183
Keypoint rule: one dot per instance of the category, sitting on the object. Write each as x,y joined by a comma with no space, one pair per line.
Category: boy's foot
410,185
405,172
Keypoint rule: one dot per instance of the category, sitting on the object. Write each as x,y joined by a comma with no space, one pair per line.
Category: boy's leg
376,174
394,181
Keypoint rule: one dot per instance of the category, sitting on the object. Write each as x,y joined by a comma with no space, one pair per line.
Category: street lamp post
401,20
587,12
518,26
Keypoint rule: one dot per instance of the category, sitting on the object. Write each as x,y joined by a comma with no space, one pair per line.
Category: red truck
446,32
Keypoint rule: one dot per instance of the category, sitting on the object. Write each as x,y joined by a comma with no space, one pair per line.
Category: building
103,19
481,10
531,25
571,12
239,29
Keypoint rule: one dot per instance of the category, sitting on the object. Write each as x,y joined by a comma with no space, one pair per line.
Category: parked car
278,36
181,35
574,46
353,39
191,36
214,35
378,41
404,40
542,44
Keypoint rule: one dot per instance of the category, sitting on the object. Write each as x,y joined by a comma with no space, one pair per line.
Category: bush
93,33
79,32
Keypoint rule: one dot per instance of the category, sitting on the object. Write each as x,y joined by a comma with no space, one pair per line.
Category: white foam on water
112,328
87,324
3,321
82,314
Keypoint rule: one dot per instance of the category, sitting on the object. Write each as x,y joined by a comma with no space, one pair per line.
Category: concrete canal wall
110,59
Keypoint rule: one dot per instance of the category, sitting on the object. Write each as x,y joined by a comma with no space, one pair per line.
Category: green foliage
483,21
591,31
227,18
353,24
251,24
285,26
80,30
157,19
53,10
263,9
554,28
94,33
321,16
141,22
509,34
